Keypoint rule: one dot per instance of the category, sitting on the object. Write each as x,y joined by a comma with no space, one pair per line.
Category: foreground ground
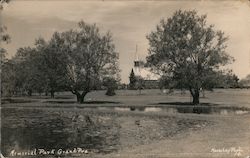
106,132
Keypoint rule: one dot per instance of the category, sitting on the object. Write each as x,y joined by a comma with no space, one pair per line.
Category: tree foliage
90,57
52,65
2,3
25,70
245,82
8,78
187,51
228,80
132,80
4,37
111,84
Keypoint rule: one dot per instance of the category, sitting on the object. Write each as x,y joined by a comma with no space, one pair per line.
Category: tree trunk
80,97
30,92
196,97
52,94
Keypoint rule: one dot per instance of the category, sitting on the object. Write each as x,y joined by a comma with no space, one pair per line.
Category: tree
8,78
91,57
230,80
2,2
39,69
188,51
29,78
24,70
4,63
132,80
140,83
245,82
111,85
4,37
52,65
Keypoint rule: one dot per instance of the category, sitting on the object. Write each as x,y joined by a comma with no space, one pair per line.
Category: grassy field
147,127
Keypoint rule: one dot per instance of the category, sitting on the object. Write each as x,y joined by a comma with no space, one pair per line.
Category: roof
145,73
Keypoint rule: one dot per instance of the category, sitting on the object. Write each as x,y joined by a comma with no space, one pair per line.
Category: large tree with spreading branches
90,58
188,52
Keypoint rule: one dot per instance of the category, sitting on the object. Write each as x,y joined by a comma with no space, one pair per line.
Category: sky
128,21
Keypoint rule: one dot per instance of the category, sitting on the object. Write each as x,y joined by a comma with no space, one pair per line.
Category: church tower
137,69
150,80
138,64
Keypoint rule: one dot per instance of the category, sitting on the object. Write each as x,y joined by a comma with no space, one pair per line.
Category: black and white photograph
125,78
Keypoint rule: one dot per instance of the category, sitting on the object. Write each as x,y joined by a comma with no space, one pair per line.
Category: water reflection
182,109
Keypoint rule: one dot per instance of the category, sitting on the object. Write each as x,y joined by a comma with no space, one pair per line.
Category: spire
136,53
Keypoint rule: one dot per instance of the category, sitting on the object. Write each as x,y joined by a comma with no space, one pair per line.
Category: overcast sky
129,22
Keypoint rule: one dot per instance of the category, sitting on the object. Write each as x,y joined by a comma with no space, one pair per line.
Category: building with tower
149,79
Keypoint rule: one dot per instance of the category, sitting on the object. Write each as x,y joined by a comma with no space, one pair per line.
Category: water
182,109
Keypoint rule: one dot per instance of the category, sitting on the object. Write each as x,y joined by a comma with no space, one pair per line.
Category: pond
169,107
182,109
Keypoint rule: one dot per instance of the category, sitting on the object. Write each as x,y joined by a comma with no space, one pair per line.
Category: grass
86,102
222,97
